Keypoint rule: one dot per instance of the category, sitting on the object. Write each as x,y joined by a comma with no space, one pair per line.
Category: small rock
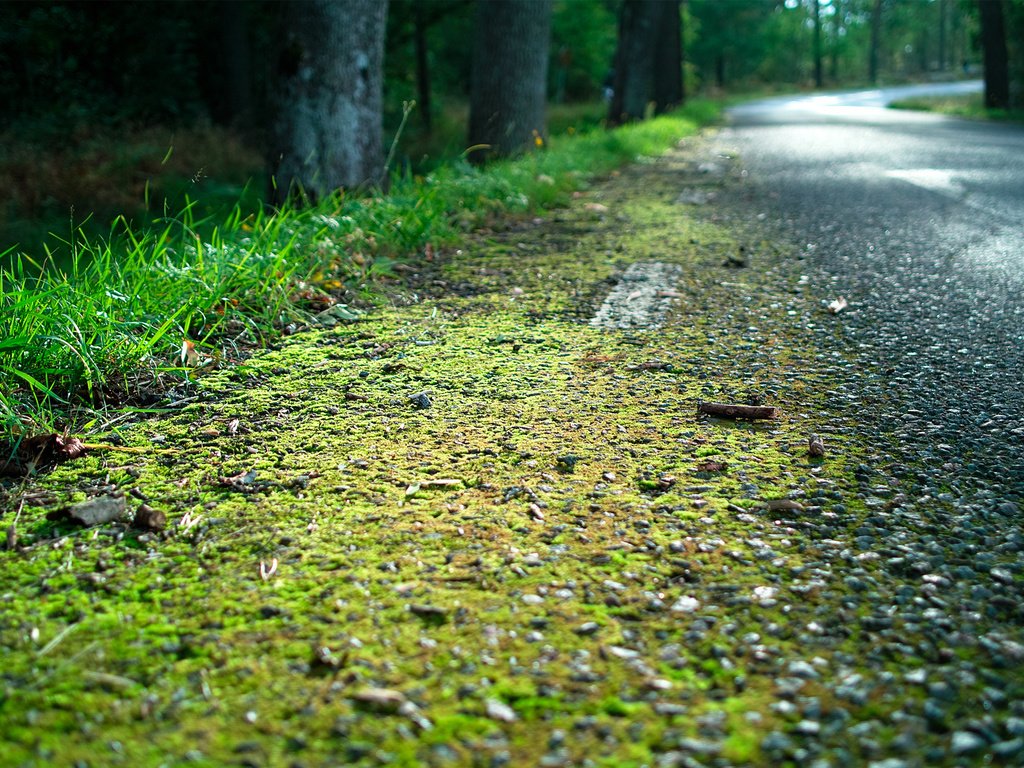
700,746
380,699
431,613
567,463
587,628
96,511
669,709
499,710
808,728
803,669
149,519
685,604
776,741
967,743
1005,750
420,400
1002,575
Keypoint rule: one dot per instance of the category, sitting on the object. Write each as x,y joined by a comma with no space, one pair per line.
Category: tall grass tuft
132,314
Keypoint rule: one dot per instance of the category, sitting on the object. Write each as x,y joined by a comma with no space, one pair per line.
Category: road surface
918,221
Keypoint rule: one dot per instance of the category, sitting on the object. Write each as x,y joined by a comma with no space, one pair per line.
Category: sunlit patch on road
933,179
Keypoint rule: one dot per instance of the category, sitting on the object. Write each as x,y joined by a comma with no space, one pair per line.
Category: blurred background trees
97,93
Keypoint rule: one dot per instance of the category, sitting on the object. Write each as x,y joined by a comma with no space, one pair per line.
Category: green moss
449,553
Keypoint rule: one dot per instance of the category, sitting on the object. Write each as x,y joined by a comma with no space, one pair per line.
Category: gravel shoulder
487,527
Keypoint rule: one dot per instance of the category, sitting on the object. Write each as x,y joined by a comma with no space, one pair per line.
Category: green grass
103,330
970,106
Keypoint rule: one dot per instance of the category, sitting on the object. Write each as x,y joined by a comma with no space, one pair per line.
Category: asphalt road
918,221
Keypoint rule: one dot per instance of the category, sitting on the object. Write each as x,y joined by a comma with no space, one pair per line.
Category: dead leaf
243,481
189,356
712,466
596,207
838,305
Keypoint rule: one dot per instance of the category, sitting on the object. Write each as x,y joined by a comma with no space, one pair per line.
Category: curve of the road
918,220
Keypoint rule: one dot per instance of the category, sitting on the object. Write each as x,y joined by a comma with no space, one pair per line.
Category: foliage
108,329
970,106
764,41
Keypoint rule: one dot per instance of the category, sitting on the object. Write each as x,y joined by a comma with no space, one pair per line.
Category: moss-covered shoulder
471,530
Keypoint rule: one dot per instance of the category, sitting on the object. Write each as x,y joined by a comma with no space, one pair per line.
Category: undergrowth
971,106
135,314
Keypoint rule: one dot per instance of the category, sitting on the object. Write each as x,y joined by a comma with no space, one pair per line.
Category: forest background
118,108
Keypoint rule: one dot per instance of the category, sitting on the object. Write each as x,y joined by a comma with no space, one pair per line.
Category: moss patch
515,520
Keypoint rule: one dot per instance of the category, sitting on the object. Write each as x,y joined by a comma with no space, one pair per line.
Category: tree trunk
422,66
237,62
639,27
509,78
993,44
943,13
876,41
668,59
327,98
819,79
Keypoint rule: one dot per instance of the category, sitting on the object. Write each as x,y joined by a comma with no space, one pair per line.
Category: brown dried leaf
712,466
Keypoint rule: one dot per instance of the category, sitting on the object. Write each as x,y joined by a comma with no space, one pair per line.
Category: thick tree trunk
238,93
668,59
509,79
993,44
634,60
327,98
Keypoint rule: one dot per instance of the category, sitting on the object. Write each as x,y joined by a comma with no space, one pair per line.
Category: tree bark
509,77
943,58
634,60
668,59
993,44
327,98
819,79
876,41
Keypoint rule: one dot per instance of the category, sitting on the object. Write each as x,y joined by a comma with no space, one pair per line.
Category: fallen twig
731,411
